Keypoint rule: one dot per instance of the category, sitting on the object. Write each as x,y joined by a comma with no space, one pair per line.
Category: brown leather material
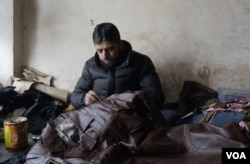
203,143
157,142
119,131
97,129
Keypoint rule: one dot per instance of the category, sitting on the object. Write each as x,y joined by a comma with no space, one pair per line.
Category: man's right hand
91,97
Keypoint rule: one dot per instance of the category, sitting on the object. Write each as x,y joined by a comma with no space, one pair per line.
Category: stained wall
204,41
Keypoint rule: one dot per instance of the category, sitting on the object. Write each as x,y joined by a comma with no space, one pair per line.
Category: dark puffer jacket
134,72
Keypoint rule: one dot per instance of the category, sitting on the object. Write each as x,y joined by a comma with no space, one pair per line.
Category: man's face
108,51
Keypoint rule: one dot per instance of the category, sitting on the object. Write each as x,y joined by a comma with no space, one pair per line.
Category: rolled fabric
31,74
59,94
22,85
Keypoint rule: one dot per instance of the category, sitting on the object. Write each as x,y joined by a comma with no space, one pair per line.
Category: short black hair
106,32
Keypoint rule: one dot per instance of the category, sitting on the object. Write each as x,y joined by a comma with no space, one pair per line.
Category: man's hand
111,96
91,97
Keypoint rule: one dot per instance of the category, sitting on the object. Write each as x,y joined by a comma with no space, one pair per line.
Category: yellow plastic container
16,133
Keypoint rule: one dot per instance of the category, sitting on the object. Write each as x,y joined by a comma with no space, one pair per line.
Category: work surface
7,154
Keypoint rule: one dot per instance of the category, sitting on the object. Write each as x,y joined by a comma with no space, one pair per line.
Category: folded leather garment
121,130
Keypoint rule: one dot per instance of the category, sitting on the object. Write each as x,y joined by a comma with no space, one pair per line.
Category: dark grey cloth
133,71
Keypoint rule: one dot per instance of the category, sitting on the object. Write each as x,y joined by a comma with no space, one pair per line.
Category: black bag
41,111
193,96
7,96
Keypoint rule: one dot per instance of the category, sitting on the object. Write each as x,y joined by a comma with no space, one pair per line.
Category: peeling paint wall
205,41
6,41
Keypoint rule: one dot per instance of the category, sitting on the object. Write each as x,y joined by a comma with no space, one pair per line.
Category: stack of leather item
121,130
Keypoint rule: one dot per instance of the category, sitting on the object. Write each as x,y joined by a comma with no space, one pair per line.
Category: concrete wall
206,41
18,21
6,41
